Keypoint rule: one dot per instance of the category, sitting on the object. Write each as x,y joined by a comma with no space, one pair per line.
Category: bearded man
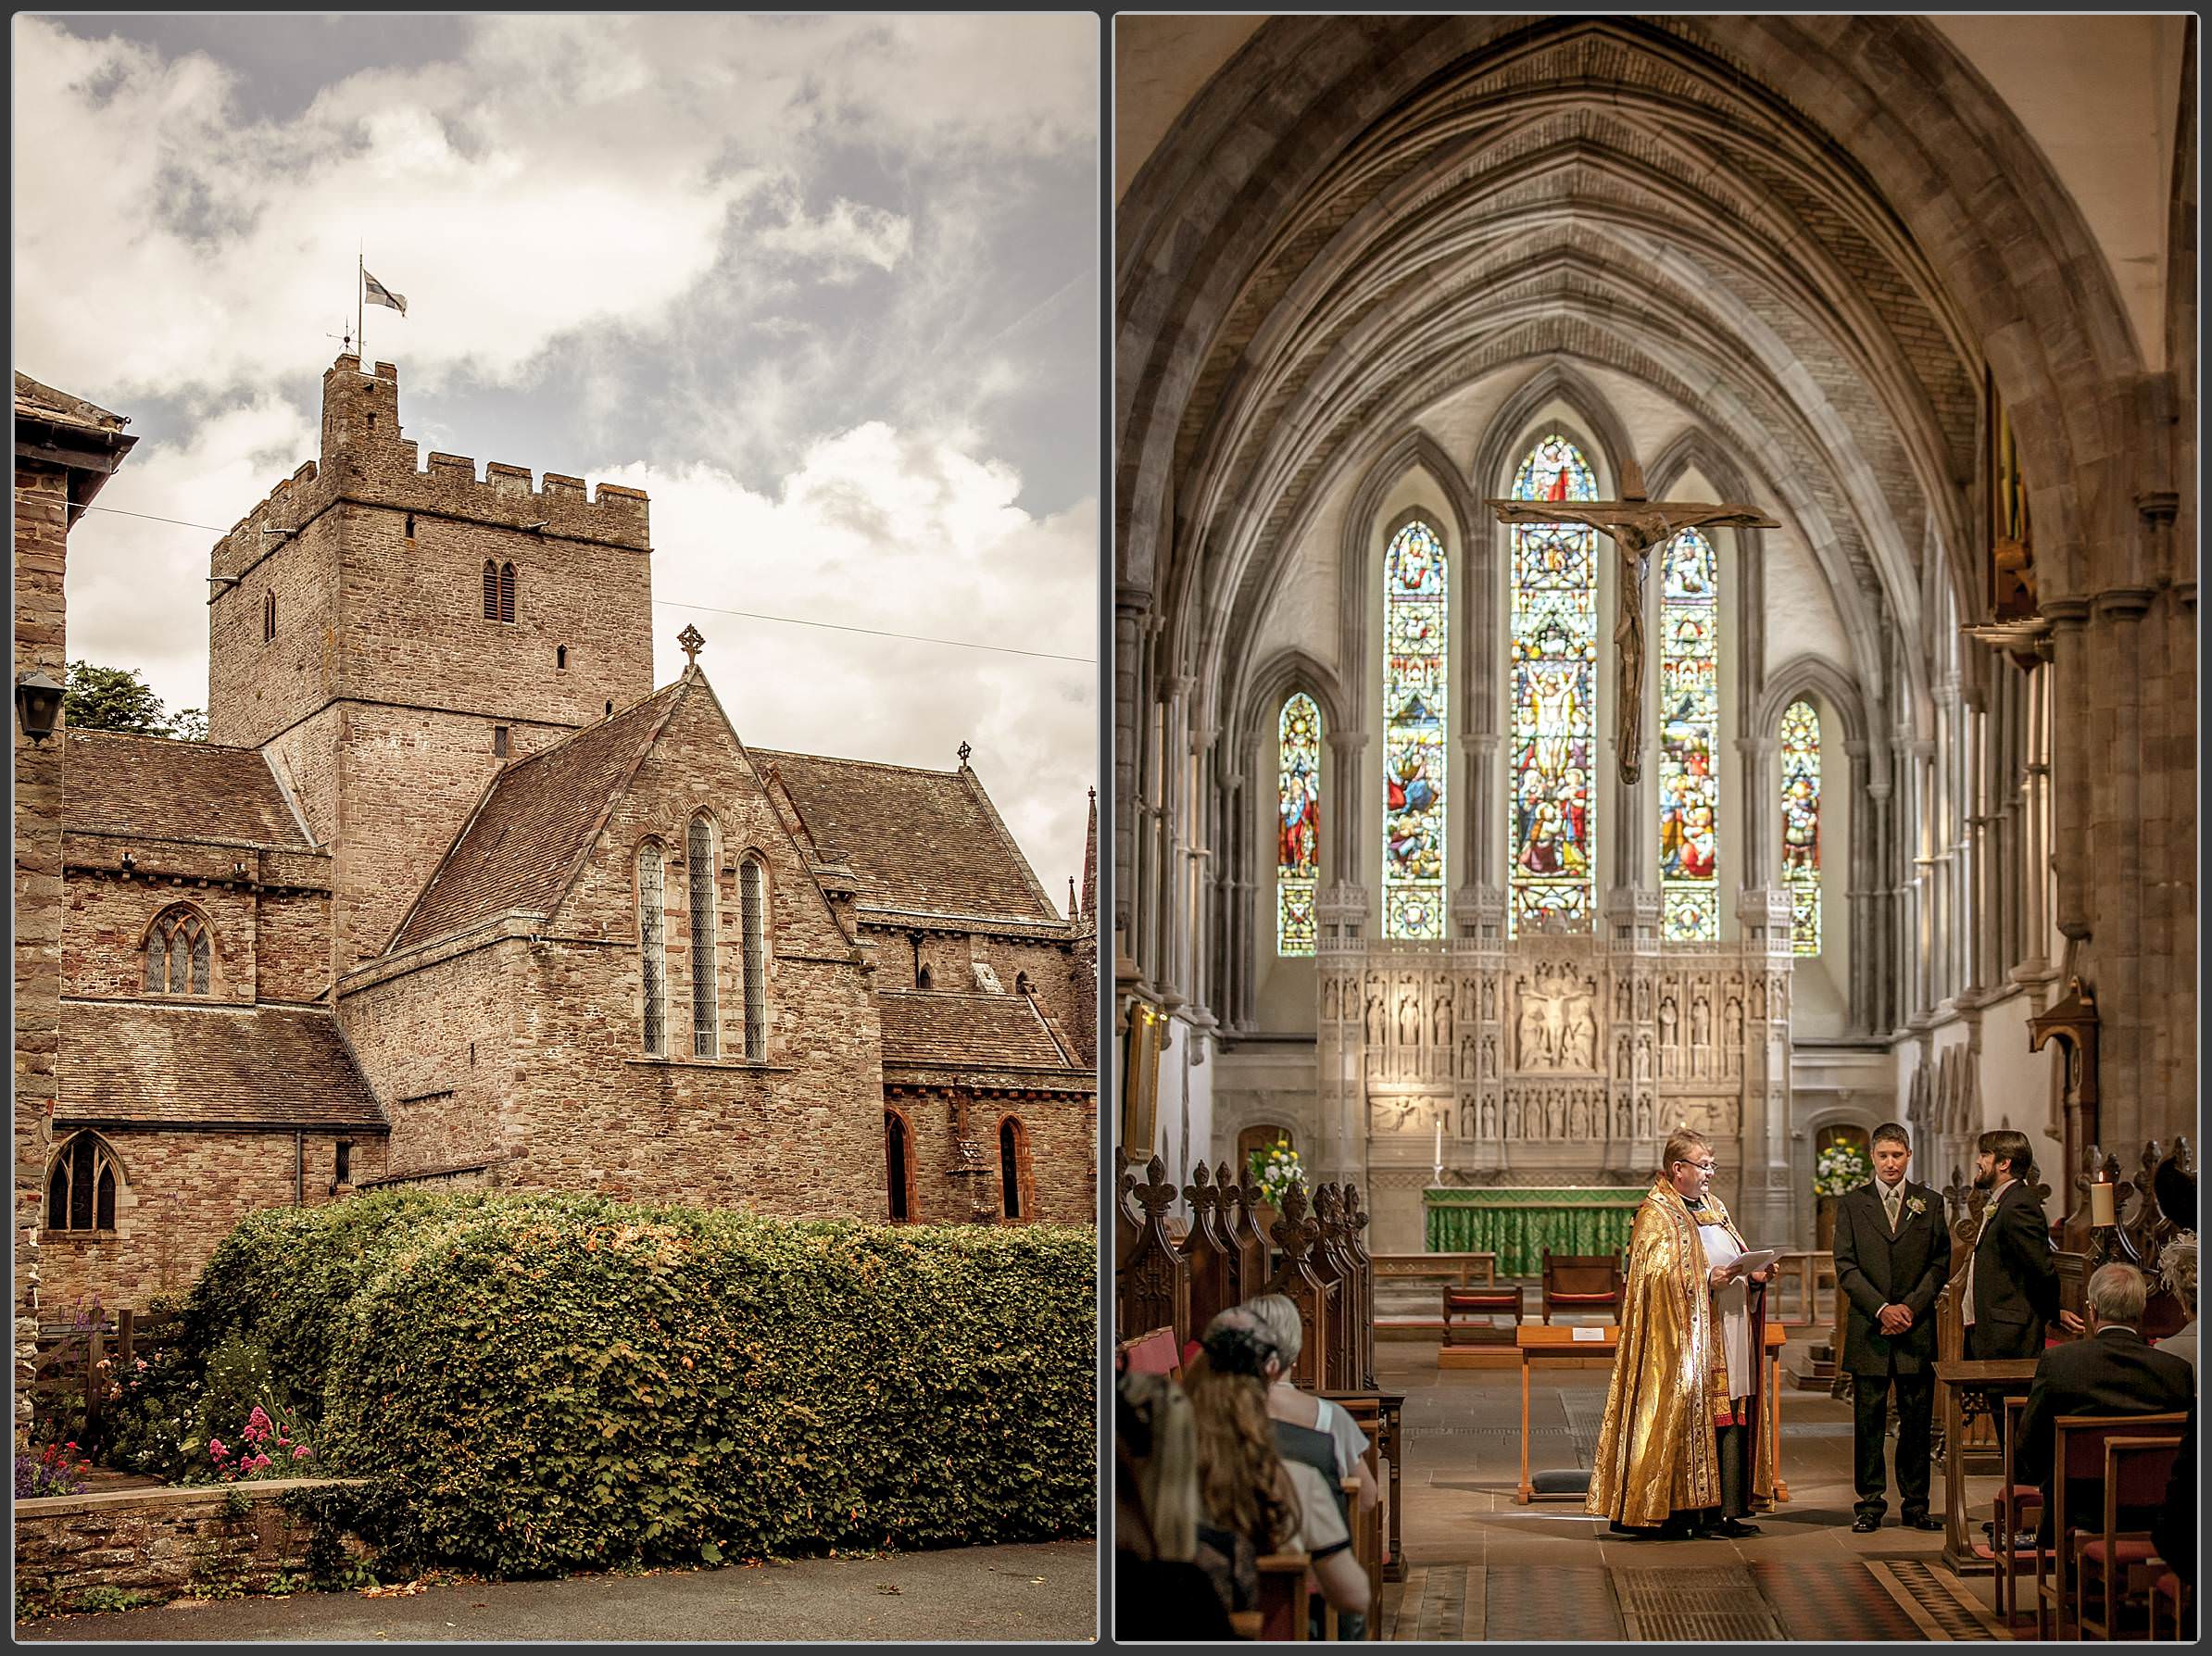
1680,1452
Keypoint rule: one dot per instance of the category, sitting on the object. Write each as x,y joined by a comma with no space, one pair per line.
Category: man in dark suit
2011,1293
1893,1254
2114,1371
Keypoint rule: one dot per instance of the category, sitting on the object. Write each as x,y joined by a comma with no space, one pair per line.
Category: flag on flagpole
378,294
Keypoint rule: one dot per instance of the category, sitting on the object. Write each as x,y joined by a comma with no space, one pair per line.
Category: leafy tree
118,698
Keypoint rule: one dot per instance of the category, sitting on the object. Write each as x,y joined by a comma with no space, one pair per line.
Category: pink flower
300,1453
216,1449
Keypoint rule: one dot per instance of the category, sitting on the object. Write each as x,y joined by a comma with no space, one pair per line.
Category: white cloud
563,172
909,532
137,587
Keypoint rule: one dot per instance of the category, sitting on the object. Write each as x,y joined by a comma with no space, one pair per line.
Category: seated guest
1307,1427
2112,1371
1168,1583
1246,1487
2176,1270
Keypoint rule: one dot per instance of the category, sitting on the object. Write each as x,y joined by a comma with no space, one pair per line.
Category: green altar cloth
1517,1223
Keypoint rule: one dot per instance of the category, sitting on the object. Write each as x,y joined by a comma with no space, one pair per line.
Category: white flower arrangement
1842,1167
1274,1168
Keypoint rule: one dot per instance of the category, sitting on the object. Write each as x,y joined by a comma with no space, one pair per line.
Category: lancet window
1298,830
1801,823
1415,660
1689,742
1555,632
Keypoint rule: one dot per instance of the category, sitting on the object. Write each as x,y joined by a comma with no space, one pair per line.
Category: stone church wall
436,1042
183,1193
41,551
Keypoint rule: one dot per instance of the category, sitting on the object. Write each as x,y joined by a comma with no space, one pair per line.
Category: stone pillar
1768,1189
2129,1097
1342,797
1762,811
1340,914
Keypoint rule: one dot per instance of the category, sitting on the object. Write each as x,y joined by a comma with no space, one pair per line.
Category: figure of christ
1635,523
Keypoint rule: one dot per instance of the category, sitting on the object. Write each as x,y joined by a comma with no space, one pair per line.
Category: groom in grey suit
1893,1254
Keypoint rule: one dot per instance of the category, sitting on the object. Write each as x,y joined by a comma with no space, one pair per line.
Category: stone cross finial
693,641
964,751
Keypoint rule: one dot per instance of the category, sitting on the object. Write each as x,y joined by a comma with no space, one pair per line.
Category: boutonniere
1915,1205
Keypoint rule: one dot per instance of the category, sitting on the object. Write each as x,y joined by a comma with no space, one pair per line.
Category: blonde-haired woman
1245,1486
1306,1416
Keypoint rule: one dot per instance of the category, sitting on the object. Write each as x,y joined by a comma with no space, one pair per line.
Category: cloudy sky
826,287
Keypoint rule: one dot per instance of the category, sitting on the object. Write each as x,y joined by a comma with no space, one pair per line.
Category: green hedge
539,1384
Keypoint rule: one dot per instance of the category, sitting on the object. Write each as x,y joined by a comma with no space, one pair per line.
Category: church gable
696,768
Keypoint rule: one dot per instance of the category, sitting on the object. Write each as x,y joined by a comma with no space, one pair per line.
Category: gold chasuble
1656,1454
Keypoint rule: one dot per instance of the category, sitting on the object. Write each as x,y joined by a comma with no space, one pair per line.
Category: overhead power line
788,620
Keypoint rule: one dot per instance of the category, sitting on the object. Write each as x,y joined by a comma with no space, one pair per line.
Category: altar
1517,1223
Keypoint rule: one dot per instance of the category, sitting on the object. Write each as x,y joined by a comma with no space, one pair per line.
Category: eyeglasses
1704,1167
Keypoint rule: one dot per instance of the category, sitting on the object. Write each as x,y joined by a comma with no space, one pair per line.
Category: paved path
1041,1592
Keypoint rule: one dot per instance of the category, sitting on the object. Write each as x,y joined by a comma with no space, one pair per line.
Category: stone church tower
392,635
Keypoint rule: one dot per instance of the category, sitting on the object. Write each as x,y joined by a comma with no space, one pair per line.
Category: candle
1440,1141
2100,1204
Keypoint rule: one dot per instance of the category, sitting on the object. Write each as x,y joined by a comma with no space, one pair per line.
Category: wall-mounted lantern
38,705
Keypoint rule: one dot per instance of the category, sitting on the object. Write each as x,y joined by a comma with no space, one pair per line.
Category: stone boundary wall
169,1542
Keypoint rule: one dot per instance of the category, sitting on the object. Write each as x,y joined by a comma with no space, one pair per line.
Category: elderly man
1679,1452
2113,1370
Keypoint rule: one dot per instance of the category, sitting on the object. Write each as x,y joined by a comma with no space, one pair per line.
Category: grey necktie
1890,1196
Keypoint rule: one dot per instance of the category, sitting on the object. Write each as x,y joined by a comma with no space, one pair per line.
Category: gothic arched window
1013,1157
699,878
507,592
752,903
1298,824
267,616
81,1188
1416,657
652,945
1553,797
178,954
1801,824
1688,740
898,1156
491,590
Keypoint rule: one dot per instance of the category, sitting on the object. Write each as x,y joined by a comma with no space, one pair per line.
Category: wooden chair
1284,1605
1492,1301
2136,1468
1582,1282
2016,1504
1152,1354
2167,1593
2078,1452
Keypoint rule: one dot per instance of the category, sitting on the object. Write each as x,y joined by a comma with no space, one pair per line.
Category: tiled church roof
124,1061
36,401
520,849
923,1028
925,842
164,789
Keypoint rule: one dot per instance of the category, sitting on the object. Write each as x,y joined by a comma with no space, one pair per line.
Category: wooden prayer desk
1540,1342
1381,1413
2008,1377
1458,1268
1811,1270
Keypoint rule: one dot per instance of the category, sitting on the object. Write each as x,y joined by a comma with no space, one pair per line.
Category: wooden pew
1151,1286
1215,1263
1295,1234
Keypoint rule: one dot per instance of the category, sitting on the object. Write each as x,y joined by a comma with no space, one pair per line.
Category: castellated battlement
367,462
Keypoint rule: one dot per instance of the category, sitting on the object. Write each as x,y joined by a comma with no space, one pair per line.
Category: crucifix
691,641
1635,524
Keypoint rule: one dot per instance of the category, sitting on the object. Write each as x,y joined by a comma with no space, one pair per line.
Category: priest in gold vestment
1681,1451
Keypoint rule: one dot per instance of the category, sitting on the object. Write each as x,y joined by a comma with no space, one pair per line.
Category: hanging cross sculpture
1635,525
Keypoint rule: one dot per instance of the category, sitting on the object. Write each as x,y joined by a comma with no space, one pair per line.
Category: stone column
2131,1100
1762,811
1343,797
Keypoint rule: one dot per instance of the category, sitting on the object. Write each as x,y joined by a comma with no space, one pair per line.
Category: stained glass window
1414,652
1554,694
1689,738
752,888
177,955
1298,824
1801,824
